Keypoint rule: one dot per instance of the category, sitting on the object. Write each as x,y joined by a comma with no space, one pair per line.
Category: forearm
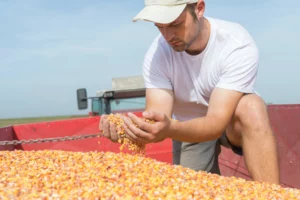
154,97
195,130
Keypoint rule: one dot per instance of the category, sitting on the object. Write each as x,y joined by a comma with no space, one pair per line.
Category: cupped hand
108,129
153,127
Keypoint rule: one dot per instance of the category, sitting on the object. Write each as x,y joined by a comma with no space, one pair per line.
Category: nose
168,33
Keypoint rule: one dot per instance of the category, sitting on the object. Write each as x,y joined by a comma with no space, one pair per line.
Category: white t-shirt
229,61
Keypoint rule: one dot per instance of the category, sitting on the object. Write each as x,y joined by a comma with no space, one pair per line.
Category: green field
9,122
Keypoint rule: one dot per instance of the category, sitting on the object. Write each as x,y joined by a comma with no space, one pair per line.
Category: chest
194,80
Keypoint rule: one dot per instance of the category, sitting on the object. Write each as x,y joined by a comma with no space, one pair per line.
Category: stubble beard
185,45
180,48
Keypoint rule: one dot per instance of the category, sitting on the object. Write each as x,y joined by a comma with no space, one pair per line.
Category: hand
147,132
108,129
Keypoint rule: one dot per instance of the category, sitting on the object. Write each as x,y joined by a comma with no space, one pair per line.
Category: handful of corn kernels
126,142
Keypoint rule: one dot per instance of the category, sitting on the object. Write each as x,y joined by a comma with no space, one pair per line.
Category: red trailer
284,120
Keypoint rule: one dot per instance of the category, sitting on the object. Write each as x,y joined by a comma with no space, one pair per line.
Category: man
201,71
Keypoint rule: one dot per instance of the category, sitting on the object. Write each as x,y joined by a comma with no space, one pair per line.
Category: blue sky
49,48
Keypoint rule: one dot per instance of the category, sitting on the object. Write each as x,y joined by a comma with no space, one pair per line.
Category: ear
199,9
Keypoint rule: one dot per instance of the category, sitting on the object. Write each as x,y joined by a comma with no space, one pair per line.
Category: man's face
181,33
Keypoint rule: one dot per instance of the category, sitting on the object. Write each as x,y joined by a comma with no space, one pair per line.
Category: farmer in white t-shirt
201,71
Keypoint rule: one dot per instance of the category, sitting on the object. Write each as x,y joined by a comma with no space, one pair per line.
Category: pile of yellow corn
99,175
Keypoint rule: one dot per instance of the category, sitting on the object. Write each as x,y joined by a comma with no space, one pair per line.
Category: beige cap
162,11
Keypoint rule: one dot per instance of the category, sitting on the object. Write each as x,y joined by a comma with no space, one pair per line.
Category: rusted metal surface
7,133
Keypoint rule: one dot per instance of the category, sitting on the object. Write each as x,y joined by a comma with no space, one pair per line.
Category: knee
251,111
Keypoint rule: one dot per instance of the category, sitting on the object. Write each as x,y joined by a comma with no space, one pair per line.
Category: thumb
154,115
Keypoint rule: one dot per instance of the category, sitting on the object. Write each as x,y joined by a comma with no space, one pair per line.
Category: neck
200,42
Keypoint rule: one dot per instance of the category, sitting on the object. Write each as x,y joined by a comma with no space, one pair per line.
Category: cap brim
160,14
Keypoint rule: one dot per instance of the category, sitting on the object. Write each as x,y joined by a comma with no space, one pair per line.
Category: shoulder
156,65
159,49
238,44
158,56
231,31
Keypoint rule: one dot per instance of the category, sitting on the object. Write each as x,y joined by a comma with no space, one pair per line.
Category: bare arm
160,100
221,109
157,100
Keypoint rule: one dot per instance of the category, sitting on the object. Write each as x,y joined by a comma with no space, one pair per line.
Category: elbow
214,135
217,135
217,128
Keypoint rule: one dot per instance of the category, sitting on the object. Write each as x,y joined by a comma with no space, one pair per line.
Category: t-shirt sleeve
239,70
155,68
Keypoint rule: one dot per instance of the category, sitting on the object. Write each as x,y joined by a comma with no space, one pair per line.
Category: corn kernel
126,142
57,174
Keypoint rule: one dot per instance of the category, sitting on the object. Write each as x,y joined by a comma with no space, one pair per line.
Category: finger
132,136
128,132
140,134
105,126
154,115
140,123
113,132
119,131
102,118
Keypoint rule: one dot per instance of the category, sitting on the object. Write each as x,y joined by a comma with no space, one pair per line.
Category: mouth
175,43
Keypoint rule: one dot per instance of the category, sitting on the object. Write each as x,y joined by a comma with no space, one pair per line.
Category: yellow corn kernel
126,142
